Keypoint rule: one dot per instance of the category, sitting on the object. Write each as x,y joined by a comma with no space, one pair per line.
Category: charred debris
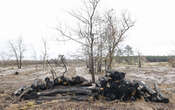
112,86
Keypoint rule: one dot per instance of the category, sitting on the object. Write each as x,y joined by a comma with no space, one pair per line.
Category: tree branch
70,37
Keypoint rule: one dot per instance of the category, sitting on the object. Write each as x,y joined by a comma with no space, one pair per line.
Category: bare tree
98,34
5,58
139,60
63,60
128,51
85,50
115,33
18,49
100,44
34,56
119,53
86,31
44,52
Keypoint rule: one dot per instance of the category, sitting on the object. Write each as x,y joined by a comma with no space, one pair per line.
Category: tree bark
92,64
140,65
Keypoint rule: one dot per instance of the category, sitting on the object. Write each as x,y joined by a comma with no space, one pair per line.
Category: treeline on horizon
158,58
118,59
146,58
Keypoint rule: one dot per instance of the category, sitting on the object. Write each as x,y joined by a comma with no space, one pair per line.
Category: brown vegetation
149,73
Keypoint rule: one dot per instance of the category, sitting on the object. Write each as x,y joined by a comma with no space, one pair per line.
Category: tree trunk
92,64
111,51
20,61
99,66
17,61
139,62
105,64
110,62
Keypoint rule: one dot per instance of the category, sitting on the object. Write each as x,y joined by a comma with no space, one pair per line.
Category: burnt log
153,95
38,85
49,83
102,82
75,81
144,88
57,81
78,80
112,86
115,75
65,98
122,90
65,81
71,90
159,96
27,93
20,91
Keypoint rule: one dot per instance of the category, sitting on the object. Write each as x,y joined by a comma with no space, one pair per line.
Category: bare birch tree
18,49
115,33
128,51
44,52
86,32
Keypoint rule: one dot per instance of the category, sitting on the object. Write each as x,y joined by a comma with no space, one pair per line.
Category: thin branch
79,17
64,64
70,37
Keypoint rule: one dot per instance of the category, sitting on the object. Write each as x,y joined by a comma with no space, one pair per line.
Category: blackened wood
72,90
146,88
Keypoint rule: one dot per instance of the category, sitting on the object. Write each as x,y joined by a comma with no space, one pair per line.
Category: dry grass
97,105
9,83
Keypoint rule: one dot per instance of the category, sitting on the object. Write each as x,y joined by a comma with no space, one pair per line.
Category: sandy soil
163,75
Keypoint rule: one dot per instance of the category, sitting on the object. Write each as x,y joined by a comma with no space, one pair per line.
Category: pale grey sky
153,33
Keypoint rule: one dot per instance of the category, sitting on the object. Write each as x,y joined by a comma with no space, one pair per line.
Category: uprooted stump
113,86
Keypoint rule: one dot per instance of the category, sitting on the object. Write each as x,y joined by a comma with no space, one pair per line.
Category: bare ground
150,73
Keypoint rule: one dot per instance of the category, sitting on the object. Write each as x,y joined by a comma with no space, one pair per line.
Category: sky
34,20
